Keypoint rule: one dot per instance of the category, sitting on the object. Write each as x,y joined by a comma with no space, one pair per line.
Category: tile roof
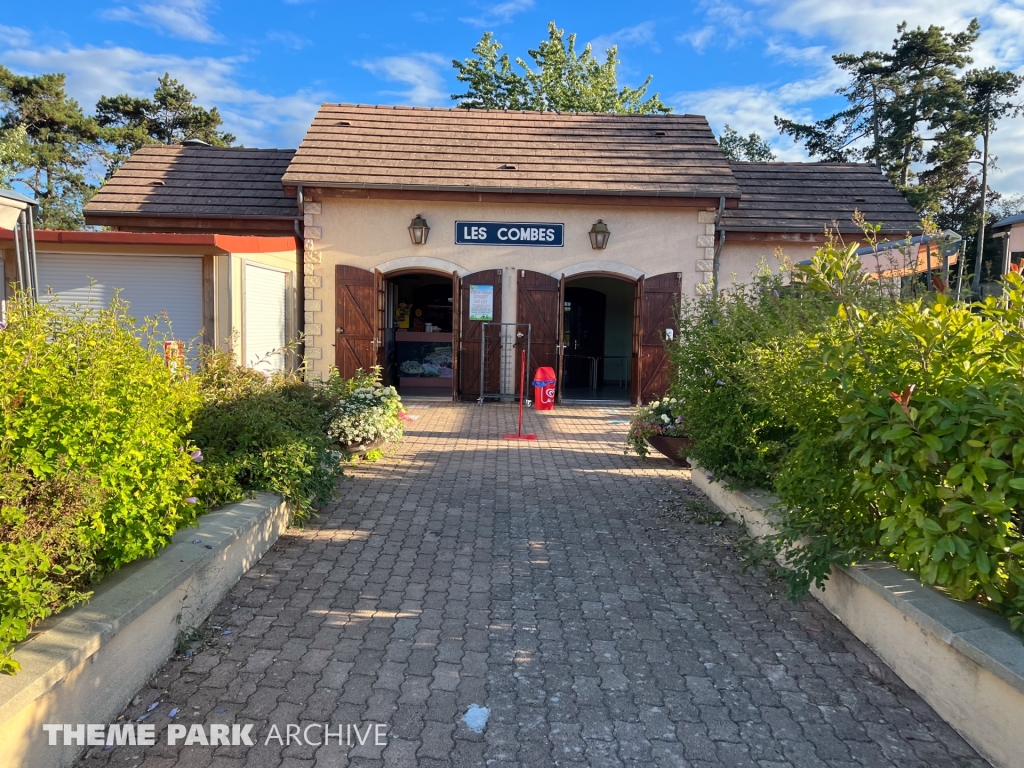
355,146
807,197
198,182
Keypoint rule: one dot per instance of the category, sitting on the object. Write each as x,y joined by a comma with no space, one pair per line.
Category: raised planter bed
963,660
84,665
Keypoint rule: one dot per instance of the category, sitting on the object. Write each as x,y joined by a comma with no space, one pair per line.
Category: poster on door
481,302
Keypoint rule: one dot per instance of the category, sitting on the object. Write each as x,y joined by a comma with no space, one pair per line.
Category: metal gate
504,341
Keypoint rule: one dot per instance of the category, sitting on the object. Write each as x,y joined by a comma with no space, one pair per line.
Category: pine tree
170,117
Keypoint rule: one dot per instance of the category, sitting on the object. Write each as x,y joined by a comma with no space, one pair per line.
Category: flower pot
674,448
362,447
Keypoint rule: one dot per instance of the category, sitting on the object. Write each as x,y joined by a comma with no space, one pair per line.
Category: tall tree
896,99
990,95
62,143
491,82
170,117
14,153
752,148
560,79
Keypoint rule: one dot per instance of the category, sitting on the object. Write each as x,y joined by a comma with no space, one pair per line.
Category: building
236,291
424,229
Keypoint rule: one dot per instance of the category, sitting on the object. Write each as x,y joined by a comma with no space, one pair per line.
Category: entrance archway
541,302
420,332
597,338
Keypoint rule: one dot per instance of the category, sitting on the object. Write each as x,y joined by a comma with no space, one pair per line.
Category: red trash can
544,389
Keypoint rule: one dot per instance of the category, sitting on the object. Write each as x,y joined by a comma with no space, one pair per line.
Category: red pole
522,392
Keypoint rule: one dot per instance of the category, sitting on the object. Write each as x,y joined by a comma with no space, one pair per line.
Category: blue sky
268,64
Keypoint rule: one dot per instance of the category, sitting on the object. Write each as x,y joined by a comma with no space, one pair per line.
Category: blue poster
509,233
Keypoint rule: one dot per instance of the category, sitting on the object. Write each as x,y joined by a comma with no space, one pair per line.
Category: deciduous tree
752,148
559,79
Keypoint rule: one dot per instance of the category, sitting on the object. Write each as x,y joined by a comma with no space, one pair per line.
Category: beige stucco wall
738,262
373,234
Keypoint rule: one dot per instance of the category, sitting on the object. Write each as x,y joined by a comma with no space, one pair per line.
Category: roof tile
355,146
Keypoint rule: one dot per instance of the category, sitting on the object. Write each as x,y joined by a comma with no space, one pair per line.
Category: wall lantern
599,235
418,230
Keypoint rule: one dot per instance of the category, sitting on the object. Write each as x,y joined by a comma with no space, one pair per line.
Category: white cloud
641,34
500,13
15,37
419,71
179,18
752,108
256,118
289,39
699,39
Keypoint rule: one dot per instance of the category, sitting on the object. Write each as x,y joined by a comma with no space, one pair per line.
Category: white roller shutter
265,296
150,284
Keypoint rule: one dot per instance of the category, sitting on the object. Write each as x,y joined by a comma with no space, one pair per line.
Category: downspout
718,248
300,280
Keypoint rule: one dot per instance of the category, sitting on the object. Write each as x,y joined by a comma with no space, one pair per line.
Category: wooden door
659,310
356,319
635,363
378,338
456,324
537,304
469,346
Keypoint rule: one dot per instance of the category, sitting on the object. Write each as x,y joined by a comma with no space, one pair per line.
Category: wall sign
509,233
481,302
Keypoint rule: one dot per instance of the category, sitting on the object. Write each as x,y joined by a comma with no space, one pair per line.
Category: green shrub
92,456
907,435
736,436
262,433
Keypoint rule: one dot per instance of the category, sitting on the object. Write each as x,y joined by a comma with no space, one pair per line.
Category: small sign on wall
504,233
481,302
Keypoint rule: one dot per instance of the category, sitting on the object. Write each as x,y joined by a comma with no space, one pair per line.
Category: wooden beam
193,226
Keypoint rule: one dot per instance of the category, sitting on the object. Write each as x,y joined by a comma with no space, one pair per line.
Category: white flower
665,418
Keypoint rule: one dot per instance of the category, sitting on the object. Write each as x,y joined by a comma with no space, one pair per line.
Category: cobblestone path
584,597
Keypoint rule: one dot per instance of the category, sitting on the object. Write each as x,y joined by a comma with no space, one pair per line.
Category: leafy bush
736,436
262,433
904,431
662,417
93,473
365,413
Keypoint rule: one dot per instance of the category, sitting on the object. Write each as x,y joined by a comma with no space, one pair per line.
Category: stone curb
964,661
84,665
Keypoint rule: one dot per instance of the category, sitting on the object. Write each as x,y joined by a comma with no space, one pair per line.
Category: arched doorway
580,322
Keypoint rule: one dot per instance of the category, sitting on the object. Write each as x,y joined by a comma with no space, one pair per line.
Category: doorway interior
597,338
418,334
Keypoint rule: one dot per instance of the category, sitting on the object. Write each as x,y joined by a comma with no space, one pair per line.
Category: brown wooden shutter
537,304
456,325
356,317
635,370
659,308
469,347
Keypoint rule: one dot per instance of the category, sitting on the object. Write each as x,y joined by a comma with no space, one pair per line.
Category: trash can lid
544,373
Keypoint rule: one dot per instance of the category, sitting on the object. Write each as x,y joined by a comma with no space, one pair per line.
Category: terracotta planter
362,447
674,448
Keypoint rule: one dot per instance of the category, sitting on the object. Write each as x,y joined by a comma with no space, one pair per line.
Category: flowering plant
662,417
366,413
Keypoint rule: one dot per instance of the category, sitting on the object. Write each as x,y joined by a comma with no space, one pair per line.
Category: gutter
715,264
